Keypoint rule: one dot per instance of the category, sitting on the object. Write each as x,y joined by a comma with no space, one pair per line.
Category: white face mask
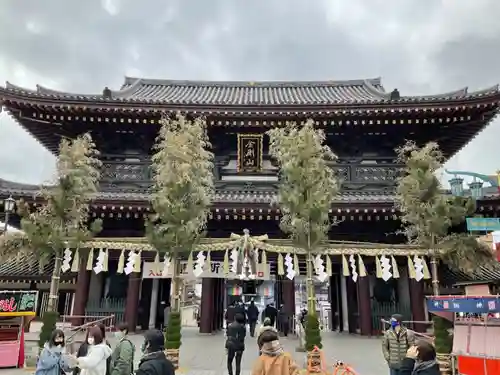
90,341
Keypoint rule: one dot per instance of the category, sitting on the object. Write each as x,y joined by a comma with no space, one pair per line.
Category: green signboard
18,303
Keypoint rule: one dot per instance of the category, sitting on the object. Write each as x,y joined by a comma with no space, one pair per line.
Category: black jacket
155,364
236,337
240,309
271,313
408,368
252,313
230,314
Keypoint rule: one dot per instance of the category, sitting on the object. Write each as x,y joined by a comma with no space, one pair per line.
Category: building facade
363,124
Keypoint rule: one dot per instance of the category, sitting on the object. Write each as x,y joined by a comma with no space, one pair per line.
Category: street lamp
8,207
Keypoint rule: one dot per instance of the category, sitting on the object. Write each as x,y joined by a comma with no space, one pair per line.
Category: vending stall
16,309
476,332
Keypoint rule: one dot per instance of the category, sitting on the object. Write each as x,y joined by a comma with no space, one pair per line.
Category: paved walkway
205,355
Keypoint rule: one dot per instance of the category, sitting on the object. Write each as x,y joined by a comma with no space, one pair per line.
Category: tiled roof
28,268
451,277
264,93
221,196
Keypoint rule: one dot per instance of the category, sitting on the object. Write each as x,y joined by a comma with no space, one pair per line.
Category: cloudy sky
418,46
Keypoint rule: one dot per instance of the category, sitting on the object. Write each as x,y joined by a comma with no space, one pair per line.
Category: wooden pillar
417,302
81,293
206,307
220,299
335,313
215,304
365,308
132,303
352,305
288,292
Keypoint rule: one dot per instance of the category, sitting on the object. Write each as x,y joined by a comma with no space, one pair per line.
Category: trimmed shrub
312,333
49,320
443,340
173,331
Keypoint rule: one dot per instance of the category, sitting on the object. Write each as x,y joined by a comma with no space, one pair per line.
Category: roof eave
114,104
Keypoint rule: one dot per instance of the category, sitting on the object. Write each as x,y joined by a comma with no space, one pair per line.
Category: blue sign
476,305
483,224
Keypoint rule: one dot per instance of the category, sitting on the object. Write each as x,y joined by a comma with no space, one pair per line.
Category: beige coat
281,364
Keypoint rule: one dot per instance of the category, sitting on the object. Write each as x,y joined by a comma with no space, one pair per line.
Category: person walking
266,326
154,361
271,313
98,352
420,360
51,360
395,344
252,316
102,327
235,343
284,320
273,360
122,357
229,314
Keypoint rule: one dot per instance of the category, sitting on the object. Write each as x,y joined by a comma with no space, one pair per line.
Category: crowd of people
280,318
272,360
403,354
96,356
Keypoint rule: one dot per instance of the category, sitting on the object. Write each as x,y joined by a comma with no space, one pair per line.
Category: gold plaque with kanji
249,152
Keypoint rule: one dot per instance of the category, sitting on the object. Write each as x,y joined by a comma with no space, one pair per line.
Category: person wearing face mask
51,361
395,343
94,363
154,361
122,358
420,360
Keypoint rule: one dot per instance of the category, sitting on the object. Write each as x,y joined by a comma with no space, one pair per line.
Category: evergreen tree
62,221
183,187
428,212
307,188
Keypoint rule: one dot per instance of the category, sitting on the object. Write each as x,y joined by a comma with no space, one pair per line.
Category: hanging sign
250,152
216,271
476,305
483,224
18,303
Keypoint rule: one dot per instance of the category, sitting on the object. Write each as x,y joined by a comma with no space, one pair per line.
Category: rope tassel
411,268
395,269
345,266
362,268
378,267
281,267
121,263
76,262
90,260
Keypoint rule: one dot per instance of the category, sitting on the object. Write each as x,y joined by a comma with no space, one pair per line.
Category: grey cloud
418,46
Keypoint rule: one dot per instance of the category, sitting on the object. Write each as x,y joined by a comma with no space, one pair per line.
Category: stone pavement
205,354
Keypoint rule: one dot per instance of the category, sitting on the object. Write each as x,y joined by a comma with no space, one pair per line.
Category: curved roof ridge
488,90
377,89
19,185
11,86
455,93
129,81
46,91
460,93
128,88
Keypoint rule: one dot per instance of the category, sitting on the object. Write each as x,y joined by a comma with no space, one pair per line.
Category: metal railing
419,334
82,328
